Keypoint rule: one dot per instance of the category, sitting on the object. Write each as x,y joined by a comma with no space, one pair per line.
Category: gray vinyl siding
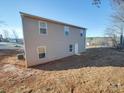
57,44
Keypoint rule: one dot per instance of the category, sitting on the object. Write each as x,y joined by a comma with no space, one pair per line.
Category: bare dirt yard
98,70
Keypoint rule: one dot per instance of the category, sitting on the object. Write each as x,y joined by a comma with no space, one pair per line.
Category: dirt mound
95,71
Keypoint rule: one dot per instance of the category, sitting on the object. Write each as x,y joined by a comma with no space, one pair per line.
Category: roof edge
51,20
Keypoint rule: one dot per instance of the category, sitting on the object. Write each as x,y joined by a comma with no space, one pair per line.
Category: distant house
47,40
98,42
13,40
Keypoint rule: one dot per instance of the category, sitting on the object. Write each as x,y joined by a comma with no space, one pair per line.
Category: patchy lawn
95,71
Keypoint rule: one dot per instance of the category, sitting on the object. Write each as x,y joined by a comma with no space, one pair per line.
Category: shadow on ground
97,57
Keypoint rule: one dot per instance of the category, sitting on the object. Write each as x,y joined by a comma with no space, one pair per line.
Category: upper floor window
81,33
66,30
42,27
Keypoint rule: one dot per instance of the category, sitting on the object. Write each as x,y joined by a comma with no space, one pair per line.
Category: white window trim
65,29
45,28
38,51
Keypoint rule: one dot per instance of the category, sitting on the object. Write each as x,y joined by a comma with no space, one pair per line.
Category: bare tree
118,19
15,35
118,14
112,34
6,35
98,2
115,31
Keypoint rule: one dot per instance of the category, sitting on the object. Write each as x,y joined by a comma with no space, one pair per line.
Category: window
70,47
42,52
66,30
43,27
81,33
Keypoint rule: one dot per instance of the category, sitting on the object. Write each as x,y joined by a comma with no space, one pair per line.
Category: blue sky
77,12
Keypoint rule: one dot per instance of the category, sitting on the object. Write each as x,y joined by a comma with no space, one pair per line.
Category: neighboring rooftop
50,20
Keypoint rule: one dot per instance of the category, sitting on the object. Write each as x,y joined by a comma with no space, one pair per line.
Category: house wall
57,44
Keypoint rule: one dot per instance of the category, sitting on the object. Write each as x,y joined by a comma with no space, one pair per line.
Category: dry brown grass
96,71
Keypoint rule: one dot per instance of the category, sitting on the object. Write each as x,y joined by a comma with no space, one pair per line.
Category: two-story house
47,40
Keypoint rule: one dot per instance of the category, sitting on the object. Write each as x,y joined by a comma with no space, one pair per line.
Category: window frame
71,48
81,32
39,53
66,29
43,28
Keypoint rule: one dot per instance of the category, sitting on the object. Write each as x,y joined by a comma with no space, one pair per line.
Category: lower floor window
70,47
42,52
